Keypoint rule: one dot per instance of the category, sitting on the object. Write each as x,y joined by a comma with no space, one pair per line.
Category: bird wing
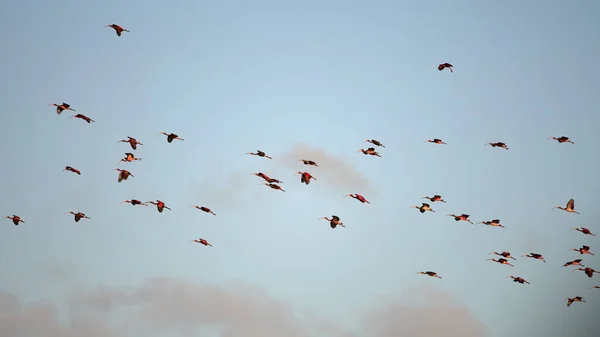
335,218
585,247
571,204
465,215
425,205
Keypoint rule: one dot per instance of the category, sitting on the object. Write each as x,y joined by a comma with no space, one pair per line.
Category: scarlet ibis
129,157
462,217
267,178
535,256
588,271
374,142
132,142
71,169
435,198
445,65
274,186
576,262
61,107
259,153
505,255
498,144
583,250
334,221
584,231
571,300
370,151
134,202
204,209
501,261
123,174
201,241
160,206
171,136
305,177
429,273
309,162
436,141
84,117
15,219
518,279
358,197
423,208
570,207
79,216
562,139
118,29
493,223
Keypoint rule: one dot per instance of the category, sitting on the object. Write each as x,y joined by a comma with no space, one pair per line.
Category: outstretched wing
571,204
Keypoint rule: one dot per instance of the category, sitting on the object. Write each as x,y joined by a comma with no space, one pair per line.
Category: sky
298,80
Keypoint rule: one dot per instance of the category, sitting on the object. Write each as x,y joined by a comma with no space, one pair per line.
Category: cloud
334,169
178,308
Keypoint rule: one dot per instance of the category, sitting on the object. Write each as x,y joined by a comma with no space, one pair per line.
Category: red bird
501,261
129,157
275,187
445,65
492,223
535,256
267,178
562,139
462,217
505,255
435,198
429,273
118,29
370,151
160,206
498,144
584,231
334,221
61,107
134,202
583,250
84,117
518,279
78,216
123,174
202,241
171,137
588,271
70,169
15,219
576,262
305,177
204,209
259,153
309,162
132,142
574,299
374,142
436,141
358,197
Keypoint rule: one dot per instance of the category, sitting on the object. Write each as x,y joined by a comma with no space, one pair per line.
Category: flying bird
535,256
259,153
584,231
61,107
160,206
435,198
84,117
123,174
370,151
518,279
423,208
274,186
498,144
588,271
374,142
134,202
267,178
201,241
501,261
334,221
492,223
576,262
570,207
462,217
574,299
595,287
171,137
445,65
305,177
71,169
436,141
132,142
583,250
15,219
428,273
204,209
562,139
358,197
129,157
78,216
308,162
118,29
505,255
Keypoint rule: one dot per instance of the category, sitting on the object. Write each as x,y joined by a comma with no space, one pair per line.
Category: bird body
71,169
583,250
160,206
78,216
305,177
576,262
436,141
571,300
334,221
423,208
309,162
129,157
83,117
562,139
588,271
370,151
374,142
118,29
505,255
274,186
204,209
584,231
445,65
358,197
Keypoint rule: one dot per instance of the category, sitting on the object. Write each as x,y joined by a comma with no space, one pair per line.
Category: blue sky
282,76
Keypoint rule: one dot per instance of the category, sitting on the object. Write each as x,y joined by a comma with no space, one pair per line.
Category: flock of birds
335,221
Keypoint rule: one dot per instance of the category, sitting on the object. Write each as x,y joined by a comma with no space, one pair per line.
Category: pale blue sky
235,76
